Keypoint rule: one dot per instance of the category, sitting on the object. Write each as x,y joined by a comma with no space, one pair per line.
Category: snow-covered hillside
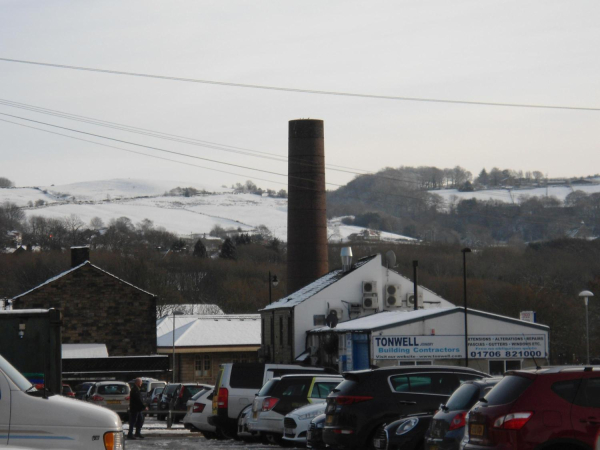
514,195
143,199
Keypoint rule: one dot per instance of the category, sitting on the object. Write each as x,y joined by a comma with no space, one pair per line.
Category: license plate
113,402
476,430
289,431
377,443
308,435
329,420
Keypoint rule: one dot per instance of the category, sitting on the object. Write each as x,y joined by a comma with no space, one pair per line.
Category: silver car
113,395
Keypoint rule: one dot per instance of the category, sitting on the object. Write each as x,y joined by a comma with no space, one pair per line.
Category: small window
203,366
290,331
281,331
319,320
589,394
566,390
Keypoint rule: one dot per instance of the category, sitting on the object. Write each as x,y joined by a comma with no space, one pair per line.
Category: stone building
204,342
97,308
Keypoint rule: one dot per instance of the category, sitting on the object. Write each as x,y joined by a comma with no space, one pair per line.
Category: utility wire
303,91
385,194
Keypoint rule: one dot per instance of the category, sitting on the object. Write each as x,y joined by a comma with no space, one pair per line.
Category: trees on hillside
5,183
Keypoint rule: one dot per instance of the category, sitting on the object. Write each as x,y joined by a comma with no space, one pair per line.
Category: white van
30,420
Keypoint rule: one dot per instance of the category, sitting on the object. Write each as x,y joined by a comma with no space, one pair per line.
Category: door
4,409
360,352
585,412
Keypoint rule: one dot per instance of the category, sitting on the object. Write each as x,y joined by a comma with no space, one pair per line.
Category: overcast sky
540,52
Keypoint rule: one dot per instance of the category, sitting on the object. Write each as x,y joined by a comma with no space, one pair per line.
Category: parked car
175,397
113,395
41,420
281,396
296,423
551,408
367,399
243,433
82,389
236,386
154,399
447,427
314,435
198,411
67,391
407,433
148,384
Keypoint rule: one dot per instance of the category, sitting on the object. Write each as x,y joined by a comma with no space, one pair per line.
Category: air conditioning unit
410,300
392,296
369,287
370,301
338,312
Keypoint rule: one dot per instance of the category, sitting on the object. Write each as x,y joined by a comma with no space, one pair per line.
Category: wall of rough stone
99,308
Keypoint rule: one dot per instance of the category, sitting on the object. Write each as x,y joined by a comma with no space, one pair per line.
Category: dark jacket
135,400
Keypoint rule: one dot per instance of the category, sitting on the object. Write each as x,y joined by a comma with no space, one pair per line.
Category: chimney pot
79,255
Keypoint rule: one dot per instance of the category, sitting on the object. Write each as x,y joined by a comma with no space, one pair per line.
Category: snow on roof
209,330
51,280
200,309
386,319
70,351
316,286
23,311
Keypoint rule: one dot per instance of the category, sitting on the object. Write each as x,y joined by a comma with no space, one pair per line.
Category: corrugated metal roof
386,319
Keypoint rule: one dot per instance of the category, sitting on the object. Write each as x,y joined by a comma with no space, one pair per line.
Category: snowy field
143,199
514,195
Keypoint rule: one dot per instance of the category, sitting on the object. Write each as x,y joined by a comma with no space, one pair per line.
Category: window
203,366
240,357
566,389
498,367
319,320
322,389
290,331
589,394
426,383
508,390
281,331
113,389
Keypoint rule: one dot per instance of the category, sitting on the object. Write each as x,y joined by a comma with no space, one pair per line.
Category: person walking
136,411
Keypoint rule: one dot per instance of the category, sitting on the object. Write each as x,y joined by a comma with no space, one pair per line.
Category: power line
302,91
386,194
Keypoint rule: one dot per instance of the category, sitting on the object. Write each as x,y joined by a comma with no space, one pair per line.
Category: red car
551,408
67,391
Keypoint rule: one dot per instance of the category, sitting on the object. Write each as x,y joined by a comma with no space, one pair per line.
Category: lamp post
464,252
175,313
272,281
586,295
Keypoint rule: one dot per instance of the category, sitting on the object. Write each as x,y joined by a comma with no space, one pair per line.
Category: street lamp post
586,295
464,252
175,313
274,282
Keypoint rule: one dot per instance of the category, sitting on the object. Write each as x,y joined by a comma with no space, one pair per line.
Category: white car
32,419
296,423
199,408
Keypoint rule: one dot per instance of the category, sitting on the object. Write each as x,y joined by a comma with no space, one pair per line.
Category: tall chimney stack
307,219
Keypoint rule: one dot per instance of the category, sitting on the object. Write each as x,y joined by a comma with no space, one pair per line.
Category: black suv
366,399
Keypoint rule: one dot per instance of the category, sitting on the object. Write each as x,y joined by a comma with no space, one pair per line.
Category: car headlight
321,425
311,415
407,425
113,440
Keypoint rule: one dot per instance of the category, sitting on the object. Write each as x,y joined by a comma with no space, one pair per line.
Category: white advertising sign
452,347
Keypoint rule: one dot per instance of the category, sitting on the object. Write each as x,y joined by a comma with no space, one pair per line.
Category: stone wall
99,308
277,324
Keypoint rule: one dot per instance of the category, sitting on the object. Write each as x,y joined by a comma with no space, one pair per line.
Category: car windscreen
267,387
508,390
463,398
113,389
12,373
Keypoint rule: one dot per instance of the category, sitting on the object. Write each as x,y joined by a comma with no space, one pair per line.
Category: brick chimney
79,255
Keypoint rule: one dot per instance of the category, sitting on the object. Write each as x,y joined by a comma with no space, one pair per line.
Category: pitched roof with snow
51,280
316,286
71,351
387,319
209,331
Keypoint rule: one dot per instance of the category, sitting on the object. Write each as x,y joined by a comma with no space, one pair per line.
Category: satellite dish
331,320
390,258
